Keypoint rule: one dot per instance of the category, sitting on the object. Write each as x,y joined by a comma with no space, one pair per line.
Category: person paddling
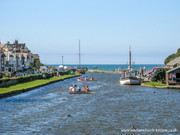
92,78
80,78
70,88
84,88
87,88
78,88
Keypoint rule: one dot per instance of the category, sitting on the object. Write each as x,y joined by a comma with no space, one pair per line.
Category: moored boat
129,76
130,81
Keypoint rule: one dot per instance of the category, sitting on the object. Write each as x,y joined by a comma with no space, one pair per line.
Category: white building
44,69
15,56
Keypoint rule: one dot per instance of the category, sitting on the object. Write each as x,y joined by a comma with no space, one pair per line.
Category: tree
169,58
172,56
159,75
178,53
36,63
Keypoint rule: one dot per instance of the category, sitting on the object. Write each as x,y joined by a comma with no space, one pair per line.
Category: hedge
27,78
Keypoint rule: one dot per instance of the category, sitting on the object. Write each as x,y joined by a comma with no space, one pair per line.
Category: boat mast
79,56
62,60
130,57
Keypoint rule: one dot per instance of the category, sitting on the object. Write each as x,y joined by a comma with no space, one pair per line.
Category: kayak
87,80
81,92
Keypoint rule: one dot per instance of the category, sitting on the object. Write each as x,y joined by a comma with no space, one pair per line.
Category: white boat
61,66
130,81
129,76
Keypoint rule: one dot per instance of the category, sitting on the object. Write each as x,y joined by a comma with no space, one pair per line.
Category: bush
46,75
159,75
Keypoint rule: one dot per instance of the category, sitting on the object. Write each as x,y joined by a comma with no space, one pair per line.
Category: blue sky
106,28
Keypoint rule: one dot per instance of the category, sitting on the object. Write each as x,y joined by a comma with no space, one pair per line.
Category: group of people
78,88
86,79
142,71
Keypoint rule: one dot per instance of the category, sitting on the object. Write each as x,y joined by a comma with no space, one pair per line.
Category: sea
113,67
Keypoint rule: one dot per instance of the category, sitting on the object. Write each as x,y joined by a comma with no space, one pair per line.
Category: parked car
20,74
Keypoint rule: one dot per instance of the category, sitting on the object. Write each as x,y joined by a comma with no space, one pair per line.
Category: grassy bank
33,84
159,85
154,84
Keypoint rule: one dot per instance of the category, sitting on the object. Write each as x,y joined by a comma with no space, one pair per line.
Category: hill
172,56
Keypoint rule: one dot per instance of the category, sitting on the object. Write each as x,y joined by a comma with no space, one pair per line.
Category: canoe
81,92
87,80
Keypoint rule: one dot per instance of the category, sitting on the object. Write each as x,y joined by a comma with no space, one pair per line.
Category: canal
51,110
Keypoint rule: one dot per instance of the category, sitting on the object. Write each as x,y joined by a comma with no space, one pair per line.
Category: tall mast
130,57
79,56
62,60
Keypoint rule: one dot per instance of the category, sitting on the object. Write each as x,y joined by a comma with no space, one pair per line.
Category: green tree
159,75
169,58
172,56
36,63
178,53
31,65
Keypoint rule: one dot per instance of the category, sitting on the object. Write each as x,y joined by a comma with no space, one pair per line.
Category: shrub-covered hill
172,56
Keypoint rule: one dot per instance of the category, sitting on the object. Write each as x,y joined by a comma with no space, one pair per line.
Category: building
173,76
174,63
35,56
44,69
15,56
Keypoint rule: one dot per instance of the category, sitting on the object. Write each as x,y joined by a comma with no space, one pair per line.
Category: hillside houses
15,56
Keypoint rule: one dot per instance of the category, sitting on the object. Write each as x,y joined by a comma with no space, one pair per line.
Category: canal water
113,108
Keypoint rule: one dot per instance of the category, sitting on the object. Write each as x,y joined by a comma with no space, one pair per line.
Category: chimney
16,42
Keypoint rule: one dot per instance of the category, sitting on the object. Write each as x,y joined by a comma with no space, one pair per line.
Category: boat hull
81,92
86,80
130,81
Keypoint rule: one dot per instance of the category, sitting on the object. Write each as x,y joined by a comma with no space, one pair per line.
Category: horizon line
105,64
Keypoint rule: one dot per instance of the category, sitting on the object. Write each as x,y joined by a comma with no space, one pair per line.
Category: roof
35,55
43,67
16,47
174,61
1,45
176,69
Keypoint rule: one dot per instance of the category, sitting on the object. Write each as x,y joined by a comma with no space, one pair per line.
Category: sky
105,28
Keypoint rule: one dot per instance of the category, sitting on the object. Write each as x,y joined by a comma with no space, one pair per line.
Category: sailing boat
129,75
80,69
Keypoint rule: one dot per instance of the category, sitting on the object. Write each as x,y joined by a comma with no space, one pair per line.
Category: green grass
155,84
33,84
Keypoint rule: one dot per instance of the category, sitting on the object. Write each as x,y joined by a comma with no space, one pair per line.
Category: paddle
91,92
